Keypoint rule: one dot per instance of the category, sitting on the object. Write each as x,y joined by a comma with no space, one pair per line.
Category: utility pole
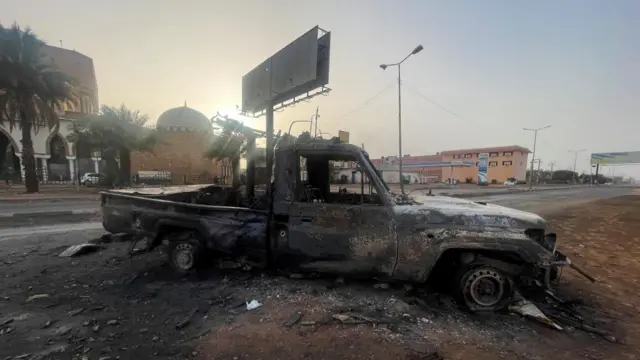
551,165
533,156
575,162
398,64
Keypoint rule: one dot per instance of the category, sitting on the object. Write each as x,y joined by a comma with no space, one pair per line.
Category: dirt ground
108,306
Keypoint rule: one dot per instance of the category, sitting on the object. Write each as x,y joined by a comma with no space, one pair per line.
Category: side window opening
334,179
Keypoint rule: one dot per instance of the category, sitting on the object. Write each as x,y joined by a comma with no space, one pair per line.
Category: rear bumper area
116,221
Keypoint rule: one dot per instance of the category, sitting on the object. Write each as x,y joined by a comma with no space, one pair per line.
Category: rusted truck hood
442,210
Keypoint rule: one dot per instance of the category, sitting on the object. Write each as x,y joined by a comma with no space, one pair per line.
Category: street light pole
316,115
399,65
533,156
575,162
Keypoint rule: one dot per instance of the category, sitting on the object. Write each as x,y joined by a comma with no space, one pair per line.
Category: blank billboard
616,158
295,64
298,68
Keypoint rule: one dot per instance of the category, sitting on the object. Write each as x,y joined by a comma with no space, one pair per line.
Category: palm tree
231,145
127,116
31,91
115,132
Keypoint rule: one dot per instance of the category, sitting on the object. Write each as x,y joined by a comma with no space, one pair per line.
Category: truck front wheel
184,255
483,288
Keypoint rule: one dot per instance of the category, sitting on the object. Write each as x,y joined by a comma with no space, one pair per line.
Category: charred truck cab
310,222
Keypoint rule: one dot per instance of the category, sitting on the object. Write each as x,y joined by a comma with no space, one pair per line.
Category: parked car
510,182
91,179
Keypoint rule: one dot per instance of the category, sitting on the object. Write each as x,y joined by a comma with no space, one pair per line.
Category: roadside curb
18,200
504,192
42,214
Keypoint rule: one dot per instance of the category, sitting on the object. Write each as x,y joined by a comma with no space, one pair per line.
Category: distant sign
616,158
483,166
343,136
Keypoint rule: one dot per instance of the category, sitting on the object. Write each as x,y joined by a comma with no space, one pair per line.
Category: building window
507,163
493,163
493,154
468,156
507,153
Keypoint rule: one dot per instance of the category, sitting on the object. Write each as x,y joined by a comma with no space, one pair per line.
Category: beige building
184,135
504,162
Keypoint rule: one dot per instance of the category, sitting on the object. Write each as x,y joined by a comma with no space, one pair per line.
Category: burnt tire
185,253
482,288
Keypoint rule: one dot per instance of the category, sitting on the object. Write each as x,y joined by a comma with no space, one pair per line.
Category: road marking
5,234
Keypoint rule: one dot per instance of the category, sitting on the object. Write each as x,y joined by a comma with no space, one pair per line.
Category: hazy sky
500,65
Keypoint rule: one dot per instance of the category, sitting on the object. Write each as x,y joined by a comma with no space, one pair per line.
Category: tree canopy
115,133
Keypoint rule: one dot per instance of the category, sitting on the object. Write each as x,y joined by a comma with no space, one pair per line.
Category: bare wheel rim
184,256
485,287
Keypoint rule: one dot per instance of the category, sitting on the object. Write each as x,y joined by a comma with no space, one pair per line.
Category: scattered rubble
254,304
37,296
184,322
80,249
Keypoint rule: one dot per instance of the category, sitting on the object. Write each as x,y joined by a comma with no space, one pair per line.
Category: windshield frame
366,156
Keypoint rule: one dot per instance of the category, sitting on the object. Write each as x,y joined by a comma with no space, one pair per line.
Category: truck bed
226,229
119,205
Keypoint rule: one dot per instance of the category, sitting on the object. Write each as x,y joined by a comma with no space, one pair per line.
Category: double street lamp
535,139
398,65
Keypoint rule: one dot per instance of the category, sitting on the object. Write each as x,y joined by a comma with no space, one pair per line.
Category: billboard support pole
269,118
269,189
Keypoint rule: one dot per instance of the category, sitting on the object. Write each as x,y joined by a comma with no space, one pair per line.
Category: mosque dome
183,118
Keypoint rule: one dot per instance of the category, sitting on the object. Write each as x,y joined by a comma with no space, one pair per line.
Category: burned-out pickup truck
307,222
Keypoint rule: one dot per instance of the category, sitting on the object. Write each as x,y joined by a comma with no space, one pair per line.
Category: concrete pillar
45,170
96,164
72,169
22,171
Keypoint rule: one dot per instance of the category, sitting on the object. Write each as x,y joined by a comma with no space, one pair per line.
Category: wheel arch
168,226
505,258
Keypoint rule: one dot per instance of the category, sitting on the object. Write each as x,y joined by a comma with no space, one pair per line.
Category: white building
55,156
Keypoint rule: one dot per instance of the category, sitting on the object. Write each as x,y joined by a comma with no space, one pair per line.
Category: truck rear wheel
483,288
184,255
